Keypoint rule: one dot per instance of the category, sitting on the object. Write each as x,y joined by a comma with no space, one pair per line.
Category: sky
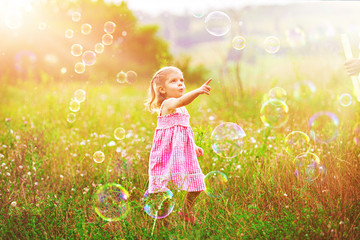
155,7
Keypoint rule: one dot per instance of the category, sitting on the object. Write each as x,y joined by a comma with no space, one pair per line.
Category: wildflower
35,183
8,174
2,156
285,194
29,173
211,118
112,143
7,119
13,204
61,176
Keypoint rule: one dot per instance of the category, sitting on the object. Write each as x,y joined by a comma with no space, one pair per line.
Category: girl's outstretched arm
187,98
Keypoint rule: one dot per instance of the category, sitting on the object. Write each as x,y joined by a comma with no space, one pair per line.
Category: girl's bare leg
190,200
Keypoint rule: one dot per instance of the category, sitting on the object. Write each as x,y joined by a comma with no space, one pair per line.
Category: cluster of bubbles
88,57
74,105
274,111
111,202
126,77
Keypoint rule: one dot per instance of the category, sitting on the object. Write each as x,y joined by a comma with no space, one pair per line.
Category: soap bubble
69,33
74,105
227,140
121,77
76,16
296,142
197,11
76,50
296,37
89,58
109,27
79,67
158,204
345,100
71,117
274,113
86,28
238,42
272,44
131,76
216,184
356,133
308,167
217,23
324,127
99,48
276,93
99,156
80,95
110,202
13,20
119,133
107,39
304,90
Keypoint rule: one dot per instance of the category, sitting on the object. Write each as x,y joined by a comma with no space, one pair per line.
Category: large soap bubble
324,127
274,113
296,142
158,204
217,23
216,184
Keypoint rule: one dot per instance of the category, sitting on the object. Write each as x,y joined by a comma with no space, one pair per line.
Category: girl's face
174,85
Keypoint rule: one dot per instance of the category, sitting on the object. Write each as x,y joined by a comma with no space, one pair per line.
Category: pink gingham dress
173,162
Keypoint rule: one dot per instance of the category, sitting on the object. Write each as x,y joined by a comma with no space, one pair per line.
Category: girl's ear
162,90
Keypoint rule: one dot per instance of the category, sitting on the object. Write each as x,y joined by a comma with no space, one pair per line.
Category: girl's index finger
208,81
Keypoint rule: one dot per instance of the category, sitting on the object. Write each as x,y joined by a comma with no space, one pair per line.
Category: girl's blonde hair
155,97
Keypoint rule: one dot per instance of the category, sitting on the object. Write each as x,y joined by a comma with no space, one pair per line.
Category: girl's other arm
173,103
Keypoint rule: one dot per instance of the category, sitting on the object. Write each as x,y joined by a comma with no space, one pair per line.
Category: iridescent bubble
79,67
296,37
238,42
345,100
99,156
158,204
99,48
110,202
308,167
324,127
131,76
121,77
76,16
71,117
76,50
107,39
69,33
13,20
119,133
276,93
74,105
227,140
197,11
86,28
217,23
215,184
80,95
296,142
356,133
304,90
89,57
109,27
274,113
271,44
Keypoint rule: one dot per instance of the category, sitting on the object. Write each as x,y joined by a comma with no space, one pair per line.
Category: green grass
47,167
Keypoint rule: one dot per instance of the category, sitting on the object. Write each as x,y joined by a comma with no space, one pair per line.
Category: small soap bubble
109,27
271,44
345,100
296,37
79,67
76,16
80,95
99,157
99,48
74,105
86,28
276,93
107,39
158,204
69,33
71,117
76,50
324,127
239,42
121,77
89,57
296,142
274,113
227,140
217,23
215,184
131,76
111,202
308,167
119,133
198,11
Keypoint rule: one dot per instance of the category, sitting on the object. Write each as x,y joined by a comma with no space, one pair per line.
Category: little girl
173,156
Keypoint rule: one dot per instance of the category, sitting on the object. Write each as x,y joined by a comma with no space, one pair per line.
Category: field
48,177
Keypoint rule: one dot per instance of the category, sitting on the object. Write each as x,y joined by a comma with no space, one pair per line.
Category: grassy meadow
48,177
